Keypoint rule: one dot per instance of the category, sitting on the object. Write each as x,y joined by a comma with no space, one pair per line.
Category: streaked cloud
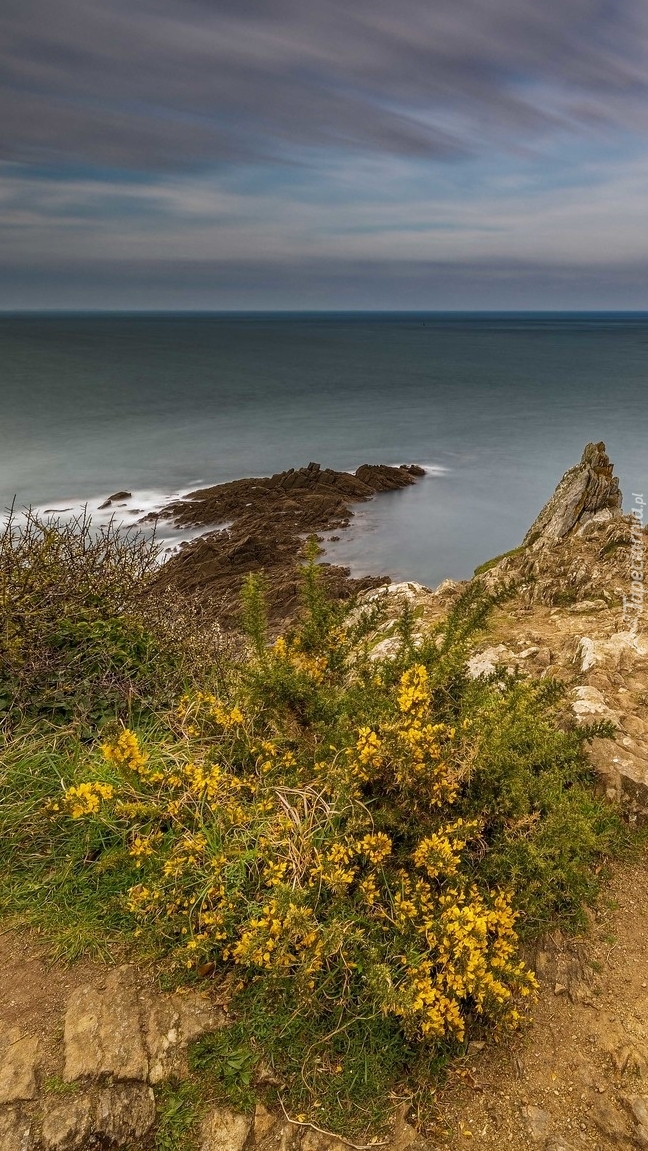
247,135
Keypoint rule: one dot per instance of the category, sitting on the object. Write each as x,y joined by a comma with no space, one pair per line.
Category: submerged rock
116,497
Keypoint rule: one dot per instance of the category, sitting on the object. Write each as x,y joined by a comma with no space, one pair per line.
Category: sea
494,406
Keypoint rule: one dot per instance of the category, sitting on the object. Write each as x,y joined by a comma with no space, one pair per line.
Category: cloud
175,84
333,284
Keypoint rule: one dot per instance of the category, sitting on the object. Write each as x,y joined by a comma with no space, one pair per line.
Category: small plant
229,1060
178,1111
55,1085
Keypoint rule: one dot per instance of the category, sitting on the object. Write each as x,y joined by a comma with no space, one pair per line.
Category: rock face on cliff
588,493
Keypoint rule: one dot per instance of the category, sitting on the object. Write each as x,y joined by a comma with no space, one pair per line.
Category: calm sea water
495,406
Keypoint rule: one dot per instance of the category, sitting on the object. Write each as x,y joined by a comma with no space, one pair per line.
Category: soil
261,524
583,1056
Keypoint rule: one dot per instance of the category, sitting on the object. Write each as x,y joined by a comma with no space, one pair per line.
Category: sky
327,154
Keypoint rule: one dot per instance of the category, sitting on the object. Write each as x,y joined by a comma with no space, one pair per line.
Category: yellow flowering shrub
267,854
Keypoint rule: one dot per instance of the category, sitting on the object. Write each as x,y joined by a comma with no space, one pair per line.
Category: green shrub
81,634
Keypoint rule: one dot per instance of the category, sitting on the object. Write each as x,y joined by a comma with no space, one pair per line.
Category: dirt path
572,1079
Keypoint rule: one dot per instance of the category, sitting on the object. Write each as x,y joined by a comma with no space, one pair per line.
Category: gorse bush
81,634
350,845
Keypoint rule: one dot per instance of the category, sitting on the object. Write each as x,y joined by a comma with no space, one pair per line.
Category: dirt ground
567,1081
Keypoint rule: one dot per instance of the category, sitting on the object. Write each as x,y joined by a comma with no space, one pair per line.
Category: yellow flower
125,751
86,798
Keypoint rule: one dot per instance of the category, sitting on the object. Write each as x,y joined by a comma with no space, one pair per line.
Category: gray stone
124,1112
15,1130
224,1130
171,1024
68,1126
538,1122
610,1122
587,491
18,1063
102,1030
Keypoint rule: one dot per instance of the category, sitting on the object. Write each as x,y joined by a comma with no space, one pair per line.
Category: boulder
116,497
102,1032
114,1118
15,1130
115,1029
68,1126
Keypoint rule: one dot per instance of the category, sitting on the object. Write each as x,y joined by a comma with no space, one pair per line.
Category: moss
496,559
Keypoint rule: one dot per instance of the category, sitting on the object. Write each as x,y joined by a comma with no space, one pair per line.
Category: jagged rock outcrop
587,492
262,524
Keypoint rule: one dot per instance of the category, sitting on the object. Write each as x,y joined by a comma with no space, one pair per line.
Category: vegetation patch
350,847
485,567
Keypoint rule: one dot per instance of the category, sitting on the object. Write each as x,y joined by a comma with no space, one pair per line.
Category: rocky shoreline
260,524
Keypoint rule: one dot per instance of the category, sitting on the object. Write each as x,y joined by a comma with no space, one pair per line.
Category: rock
538,1122
115,1029
224,1130
115,1117
628,1057
638,1105
102,1030
588,491
171,1024
267,520
18,1063
68,1126
589,706
15,1130
123,1113
115,498
485,662
264,1121
557,1143
318,1141
609,1121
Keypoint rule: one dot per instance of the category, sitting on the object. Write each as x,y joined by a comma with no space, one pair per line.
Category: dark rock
268,520
114,498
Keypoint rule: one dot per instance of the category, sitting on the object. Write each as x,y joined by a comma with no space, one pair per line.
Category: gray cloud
326,284
178,83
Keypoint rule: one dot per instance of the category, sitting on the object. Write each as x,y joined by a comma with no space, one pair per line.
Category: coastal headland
260,524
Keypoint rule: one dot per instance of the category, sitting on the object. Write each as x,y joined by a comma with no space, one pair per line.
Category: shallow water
497,407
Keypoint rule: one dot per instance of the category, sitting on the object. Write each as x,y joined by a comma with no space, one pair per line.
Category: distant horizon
324,312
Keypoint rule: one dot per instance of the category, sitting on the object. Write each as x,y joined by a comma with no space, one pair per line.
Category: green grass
179,1108
485,567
